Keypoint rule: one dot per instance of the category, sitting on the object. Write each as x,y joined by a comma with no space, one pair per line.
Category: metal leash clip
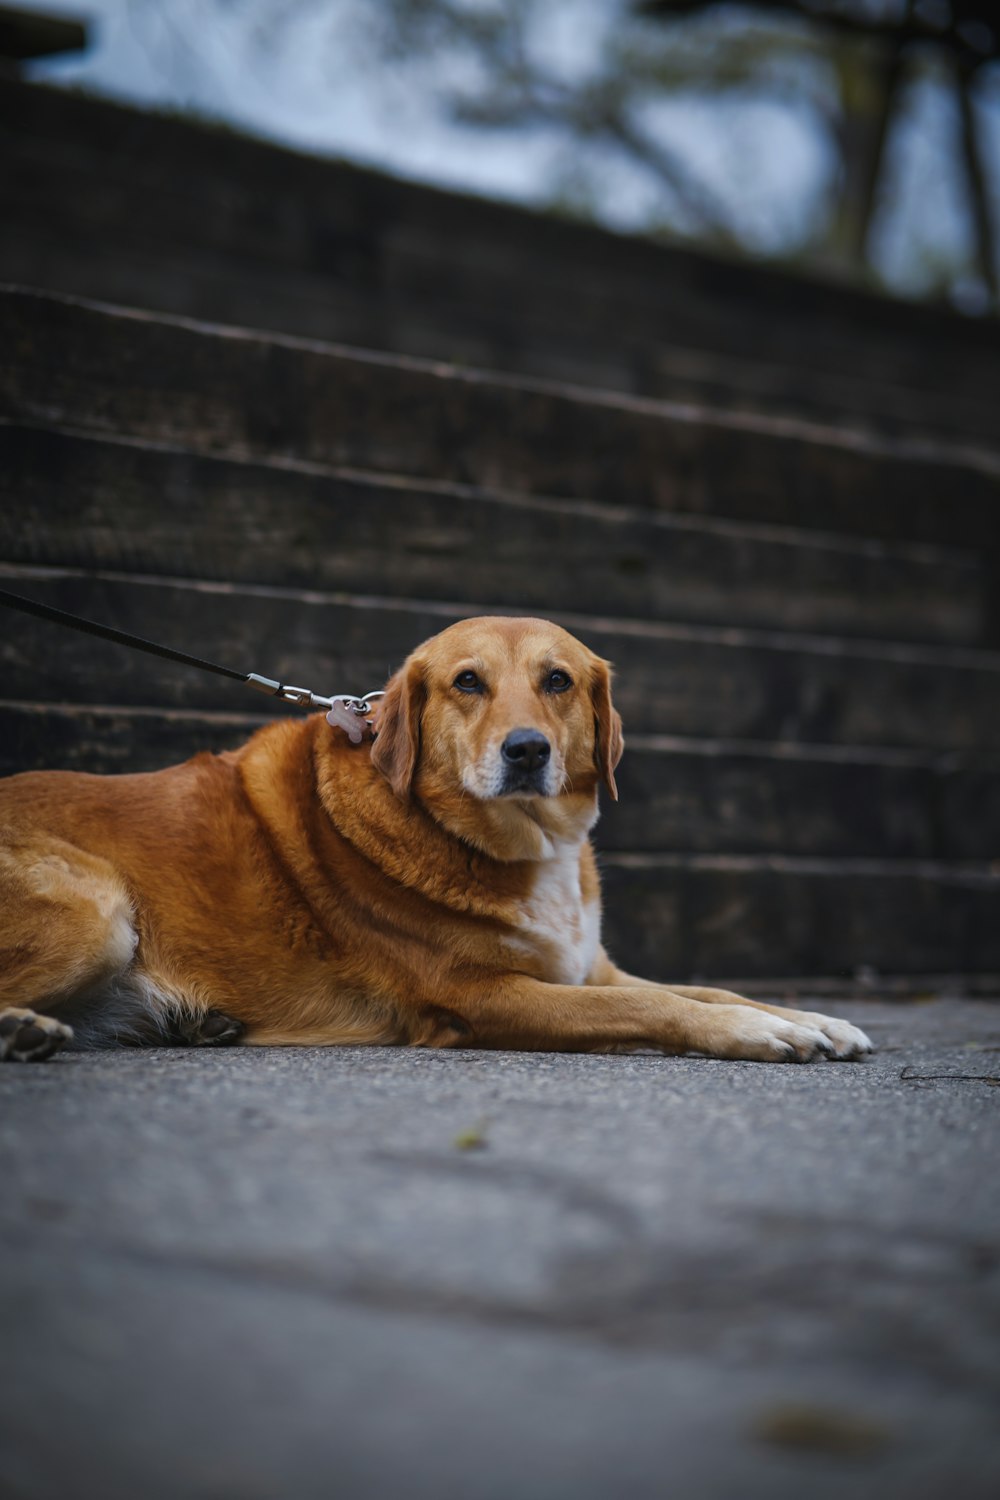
345,711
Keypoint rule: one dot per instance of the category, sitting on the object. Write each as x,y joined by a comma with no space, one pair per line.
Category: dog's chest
560,929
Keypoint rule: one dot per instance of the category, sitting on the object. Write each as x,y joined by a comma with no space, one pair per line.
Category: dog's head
496,711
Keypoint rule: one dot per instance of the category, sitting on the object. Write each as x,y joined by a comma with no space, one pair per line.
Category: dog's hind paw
213,1028
28,1037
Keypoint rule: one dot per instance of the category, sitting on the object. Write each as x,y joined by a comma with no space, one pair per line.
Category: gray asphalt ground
251,1275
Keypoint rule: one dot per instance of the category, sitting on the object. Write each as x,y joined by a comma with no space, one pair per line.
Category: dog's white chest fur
557,924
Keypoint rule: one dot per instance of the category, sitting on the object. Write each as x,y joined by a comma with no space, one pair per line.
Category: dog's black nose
526,749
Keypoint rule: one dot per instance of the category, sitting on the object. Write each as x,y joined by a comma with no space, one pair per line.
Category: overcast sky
305,74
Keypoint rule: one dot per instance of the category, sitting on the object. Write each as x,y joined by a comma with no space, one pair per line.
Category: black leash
47,612
302,697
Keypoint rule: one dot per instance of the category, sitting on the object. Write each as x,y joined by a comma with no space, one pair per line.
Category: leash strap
107,633
342,706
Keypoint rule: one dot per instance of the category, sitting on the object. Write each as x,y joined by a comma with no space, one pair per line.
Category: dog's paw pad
27,1037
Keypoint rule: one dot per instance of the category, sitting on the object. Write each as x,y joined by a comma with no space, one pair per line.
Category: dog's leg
65,929
530,1015
849,1043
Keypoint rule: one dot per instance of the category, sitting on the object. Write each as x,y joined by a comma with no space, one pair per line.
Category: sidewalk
368,1273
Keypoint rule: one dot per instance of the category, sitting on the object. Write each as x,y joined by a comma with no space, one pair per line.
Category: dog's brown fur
320,892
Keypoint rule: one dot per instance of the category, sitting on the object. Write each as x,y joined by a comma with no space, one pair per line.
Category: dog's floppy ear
609,741
397,728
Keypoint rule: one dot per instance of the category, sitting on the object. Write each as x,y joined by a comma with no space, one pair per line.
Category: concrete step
672,679
107,202
722,916
684,795
113,371
89,502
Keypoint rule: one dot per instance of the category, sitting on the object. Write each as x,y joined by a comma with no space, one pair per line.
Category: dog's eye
558,682
468,682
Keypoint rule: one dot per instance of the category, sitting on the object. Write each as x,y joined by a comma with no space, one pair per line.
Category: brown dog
436,888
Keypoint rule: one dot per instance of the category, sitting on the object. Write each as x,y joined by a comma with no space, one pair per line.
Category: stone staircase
295,417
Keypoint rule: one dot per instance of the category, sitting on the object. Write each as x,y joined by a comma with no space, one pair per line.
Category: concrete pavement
354,1273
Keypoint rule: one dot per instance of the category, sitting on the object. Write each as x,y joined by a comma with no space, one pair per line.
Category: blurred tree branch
572,74
640,65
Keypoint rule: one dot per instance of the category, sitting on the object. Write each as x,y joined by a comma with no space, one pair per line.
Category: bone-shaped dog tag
347,714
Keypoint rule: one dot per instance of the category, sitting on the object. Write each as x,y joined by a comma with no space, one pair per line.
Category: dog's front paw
736,1031
27,1037
849,1042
